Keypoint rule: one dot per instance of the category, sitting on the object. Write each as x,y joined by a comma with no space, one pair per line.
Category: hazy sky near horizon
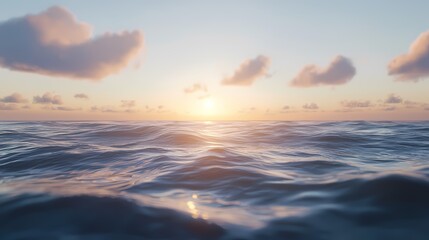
214,60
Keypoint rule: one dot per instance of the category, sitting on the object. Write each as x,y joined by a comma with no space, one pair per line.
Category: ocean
214,180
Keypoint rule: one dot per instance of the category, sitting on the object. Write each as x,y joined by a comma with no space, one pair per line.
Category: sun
209,106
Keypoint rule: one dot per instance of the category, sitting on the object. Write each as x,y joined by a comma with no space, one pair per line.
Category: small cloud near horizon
14,98
48,98
310,106
128,103
81,96
413,65
338,72
389,109
356,104
413,104
104,109
8,106
248,72
55,43
157,109
393,99
196,87
62,108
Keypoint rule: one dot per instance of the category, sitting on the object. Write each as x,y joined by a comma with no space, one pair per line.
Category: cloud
413,65
196,87
339,71
249,71
286,107
48,98
156,109
81,96
62,108
356,104
389,109
54,43
14,98
413,104
8,107
128,103
67,109
310,106
109,109
393,99
103,109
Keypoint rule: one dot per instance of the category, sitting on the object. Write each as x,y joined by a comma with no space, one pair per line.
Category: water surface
214,180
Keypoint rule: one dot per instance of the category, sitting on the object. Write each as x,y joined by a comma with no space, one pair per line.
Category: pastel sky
214,60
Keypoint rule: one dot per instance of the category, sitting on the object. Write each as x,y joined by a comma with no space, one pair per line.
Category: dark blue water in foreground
198,180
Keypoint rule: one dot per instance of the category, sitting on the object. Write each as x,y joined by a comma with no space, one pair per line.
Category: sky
214,60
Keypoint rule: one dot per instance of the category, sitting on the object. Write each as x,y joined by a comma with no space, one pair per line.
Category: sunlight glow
209,106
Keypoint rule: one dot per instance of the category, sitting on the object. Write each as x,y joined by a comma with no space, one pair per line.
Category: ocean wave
214,180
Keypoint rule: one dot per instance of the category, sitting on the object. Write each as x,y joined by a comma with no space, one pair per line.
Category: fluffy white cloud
339,71
413,65
48,98
54,43
249,71
14,98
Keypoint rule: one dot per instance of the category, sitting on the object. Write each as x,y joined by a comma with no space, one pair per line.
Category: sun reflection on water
192,208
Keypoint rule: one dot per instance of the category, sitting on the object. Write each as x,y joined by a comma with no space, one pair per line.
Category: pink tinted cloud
249,71
14,98
338,72
393,99
81,96
128,103
54,43
62,108
48,98
310,106
196,87
356,104
414,65
8,106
